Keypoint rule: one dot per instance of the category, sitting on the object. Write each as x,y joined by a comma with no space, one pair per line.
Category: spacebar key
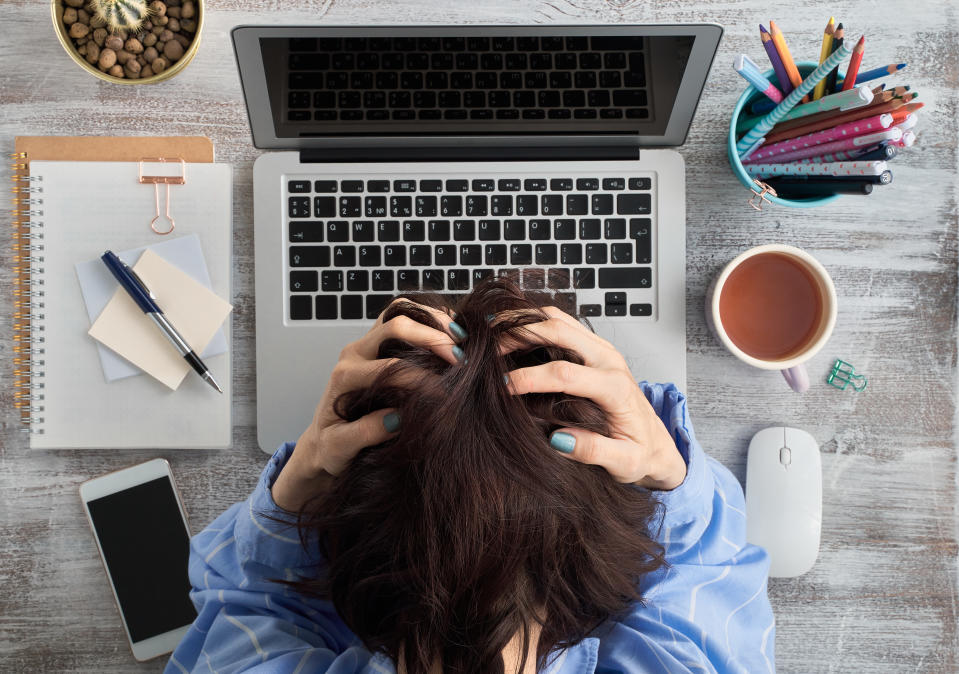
626,277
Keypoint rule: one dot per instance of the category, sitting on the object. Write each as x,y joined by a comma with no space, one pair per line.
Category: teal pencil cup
748,96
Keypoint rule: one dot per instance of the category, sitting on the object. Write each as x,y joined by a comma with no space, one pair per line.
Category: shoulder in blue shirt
707,611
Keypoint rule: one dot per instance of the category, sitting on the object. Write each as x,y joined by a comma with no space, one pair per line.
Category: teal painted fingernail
391,422
458,330
563,442
458,352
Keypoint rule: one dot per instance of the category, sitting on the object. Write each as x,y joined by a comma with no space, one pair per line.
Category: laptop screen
460,81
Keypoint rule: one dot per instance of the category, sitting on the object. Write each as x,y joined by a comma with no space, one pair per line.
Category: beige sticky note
195,311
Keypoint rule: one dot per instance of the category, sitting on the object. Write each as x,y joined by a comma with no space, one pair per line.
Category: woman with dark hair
492,493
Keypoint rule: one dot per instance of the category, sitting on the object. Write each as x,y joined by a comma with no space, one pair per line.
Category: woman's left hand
328,445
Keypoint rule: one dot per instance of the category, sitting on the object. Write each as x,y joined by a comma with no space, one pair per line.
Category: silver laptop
430,158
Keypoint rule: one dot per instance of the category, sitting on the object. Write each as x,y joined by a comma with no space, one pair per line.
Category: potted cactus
129,41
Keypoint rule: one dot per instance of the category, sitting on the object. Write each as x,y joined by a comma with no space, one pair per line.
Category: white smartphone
141,530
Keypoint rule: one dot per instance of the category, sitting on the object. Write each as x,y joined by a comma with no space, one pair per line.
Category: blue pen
146,300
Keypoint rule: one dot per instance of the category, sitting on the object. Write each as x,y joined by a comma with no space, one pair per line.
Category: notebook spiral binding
28,294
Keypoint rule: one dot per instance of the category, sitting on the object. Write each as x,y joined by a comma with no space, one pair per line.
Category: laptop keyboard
467,78
354,244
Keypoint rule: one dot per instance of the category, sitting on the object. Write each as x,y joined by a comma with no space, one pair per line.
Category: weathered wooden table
881,598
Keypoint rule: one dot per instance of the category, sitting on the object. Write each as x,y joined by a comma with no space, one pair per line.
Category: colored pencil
866,140
841,118
776,62
836,169
780,41
837,39
854,63
835,133
820,89
882,152
788,188
856,97
876,73
827,116
769,121
751,73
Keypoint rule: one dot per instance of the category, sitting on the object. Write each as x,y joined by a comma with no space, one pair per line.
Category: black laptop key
298,186
615,309
331,281
521,253
495,254
375,304
511,80
534,184
557,278
591,309
438,230
464,230
438,81
351,186
491,61
589,229
571,253
480,275
621,253
394,256
309,256
304,281
425,99
363,230
388,230
551,204
587,183
323,207
458,279
534,279
414,230
344,256
407,279
299,207
301,307
546,253
351,306
551,43
501,204
640,183
476,205
350,207
457,185
445,255
615,298
484,185
401,207
527,204
539,230
421,256
432,279
633,204
640,309
584,113
370,256
306,231
357,280
577,204
617,42
383,279
615,228
451,206
625,277
425,207
404,185
640,229
471,255
375,207
337,230
601,204
564,229
489,230
596,253
584,277
514,230
629,98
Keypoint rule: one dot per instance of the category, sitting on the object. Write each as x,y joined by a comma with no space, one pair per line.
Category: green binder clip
844,374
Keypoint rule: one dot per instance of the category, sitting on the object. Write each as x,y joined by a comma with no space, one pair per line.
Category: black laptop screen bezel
246,43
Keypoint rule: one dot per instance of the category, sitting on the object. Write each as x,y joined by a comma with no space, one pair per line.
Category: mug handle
797,378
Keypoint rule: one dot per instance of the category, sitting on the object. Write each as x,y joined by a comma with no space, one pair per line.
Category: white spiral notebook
76,211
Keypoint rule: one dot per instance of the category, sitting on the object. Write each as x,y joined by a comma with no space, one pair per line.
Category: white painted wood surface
882,597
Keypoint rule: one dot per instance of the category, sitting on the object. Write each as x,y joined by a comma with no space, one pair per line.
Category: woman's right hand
639,449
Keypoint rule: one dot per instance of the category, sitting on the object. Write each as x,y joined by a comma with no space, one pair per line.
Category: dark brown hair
467,527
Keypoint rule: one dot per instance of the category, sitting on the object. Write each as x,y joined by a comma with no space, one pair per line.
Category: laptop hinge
497,153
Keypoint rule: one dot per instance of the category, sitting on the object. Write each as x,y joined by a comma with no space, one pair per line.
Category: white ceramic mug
792,367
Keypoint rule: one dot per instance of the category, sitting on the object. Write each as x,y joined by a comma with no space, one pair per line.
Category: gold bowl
56,11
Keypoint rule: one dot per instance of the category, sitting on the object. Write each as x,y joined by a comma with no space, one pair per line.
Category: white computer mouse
784,498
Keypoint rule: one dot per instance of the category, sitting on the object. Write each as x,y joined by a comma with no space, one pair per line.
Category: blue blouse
708,611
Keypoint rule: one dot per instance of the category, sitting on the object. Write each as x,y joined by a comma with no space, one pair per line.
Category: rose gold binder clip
156,181
756,201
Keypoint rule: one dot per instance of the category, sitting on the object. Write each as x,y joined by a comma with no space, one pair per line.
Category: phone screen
146,547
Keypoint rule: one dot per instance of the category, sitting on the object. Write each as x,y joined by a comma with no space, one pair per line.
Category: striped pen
867,140
854,129
755,134
844,100
836,169
761,107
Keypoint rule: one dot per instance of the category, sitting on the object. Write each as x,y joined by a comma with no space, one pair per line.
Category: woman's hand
639,449
326,447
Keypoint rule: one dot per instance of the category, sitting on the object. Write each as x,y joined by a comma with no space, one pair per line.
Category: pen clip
136,277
